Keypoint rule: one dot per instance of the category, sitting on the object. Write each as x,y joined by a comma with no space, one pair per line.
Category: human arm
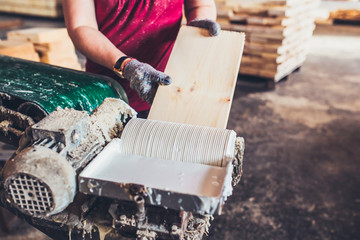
202,13
83,29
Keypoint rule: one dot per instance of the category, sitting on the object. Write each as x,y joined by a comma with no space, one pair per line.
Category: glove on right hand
212,26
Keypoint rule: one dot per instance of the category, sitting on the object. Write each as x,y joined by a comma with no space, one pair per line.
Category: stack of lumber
19,49
43,8
338,12
53,45
346,15
11,23
277,33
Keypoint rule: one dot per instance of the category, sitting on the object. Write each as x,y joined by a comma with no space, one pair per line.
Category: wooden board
274,48
266,64
59,46
294,11
273,32
24,50
281,71
39,35
348,14
277,33
204,70
274,68
13,23
54,57
263,3
44,8
281,51
49,4
278,59
269,21
68,63
55,13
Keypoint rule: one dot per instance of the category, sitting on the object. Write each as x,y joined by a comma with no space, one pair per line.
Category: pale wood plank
13,23
39,35
277,34
272,70
266,58
255,48
59,46
294,11
68,63
204,71
55,13
274,32
54,57
48,4
24,50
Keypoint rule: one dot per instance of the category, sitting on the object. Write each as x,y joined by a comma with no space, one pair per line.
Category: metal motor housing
40,180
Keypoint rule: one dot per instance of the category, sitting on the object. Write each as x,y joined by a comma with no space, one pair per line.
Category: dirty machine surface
89,169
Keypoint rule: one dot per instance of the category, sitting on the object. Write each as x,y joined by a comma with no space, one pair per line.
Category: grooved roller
178,142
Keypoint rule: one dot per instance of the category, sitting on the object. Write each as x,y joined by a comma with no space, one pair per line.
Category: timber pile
346,16
42,8
277,33
53,45
19,49
13,23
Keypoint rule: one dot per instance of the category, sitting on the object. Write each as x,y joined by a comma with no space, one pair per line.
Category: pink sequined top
142,29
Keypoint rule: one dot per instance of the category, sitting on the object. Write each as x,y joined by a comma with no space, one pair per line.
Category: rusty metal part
9,134
160,223
15,116
140,203
40,179
197,226
238,160
13,125
32,110
19,121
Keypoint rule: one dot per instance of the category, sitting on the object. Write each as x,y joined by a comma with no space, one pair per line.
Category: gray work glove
212,26
144,79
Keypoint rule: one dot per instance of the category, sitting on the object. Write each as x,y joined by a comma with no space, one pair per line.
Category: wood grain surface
204,70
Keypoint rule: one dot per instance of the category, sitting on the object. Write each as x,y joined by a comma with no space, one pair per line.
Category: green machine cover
50,86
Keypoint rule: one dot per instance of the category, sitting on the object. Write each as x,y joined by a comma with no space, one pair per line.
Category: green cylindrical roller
50,86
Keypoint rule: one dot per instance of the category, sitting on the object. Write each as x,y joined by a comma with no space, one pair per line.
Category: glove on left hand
212,26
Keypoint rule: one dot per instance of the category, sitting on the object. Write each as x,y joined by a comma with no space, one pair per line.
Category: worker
131,40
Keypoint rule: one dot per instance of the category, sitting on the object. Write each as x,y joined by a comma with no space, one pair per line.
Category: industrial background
296,104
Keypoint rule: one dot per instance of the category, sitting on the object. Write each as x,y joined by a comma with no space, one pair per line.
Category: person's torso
142,29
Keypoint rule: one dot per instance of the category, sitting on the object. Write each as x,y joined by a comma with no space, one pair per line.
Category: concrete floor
301,175
302,161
